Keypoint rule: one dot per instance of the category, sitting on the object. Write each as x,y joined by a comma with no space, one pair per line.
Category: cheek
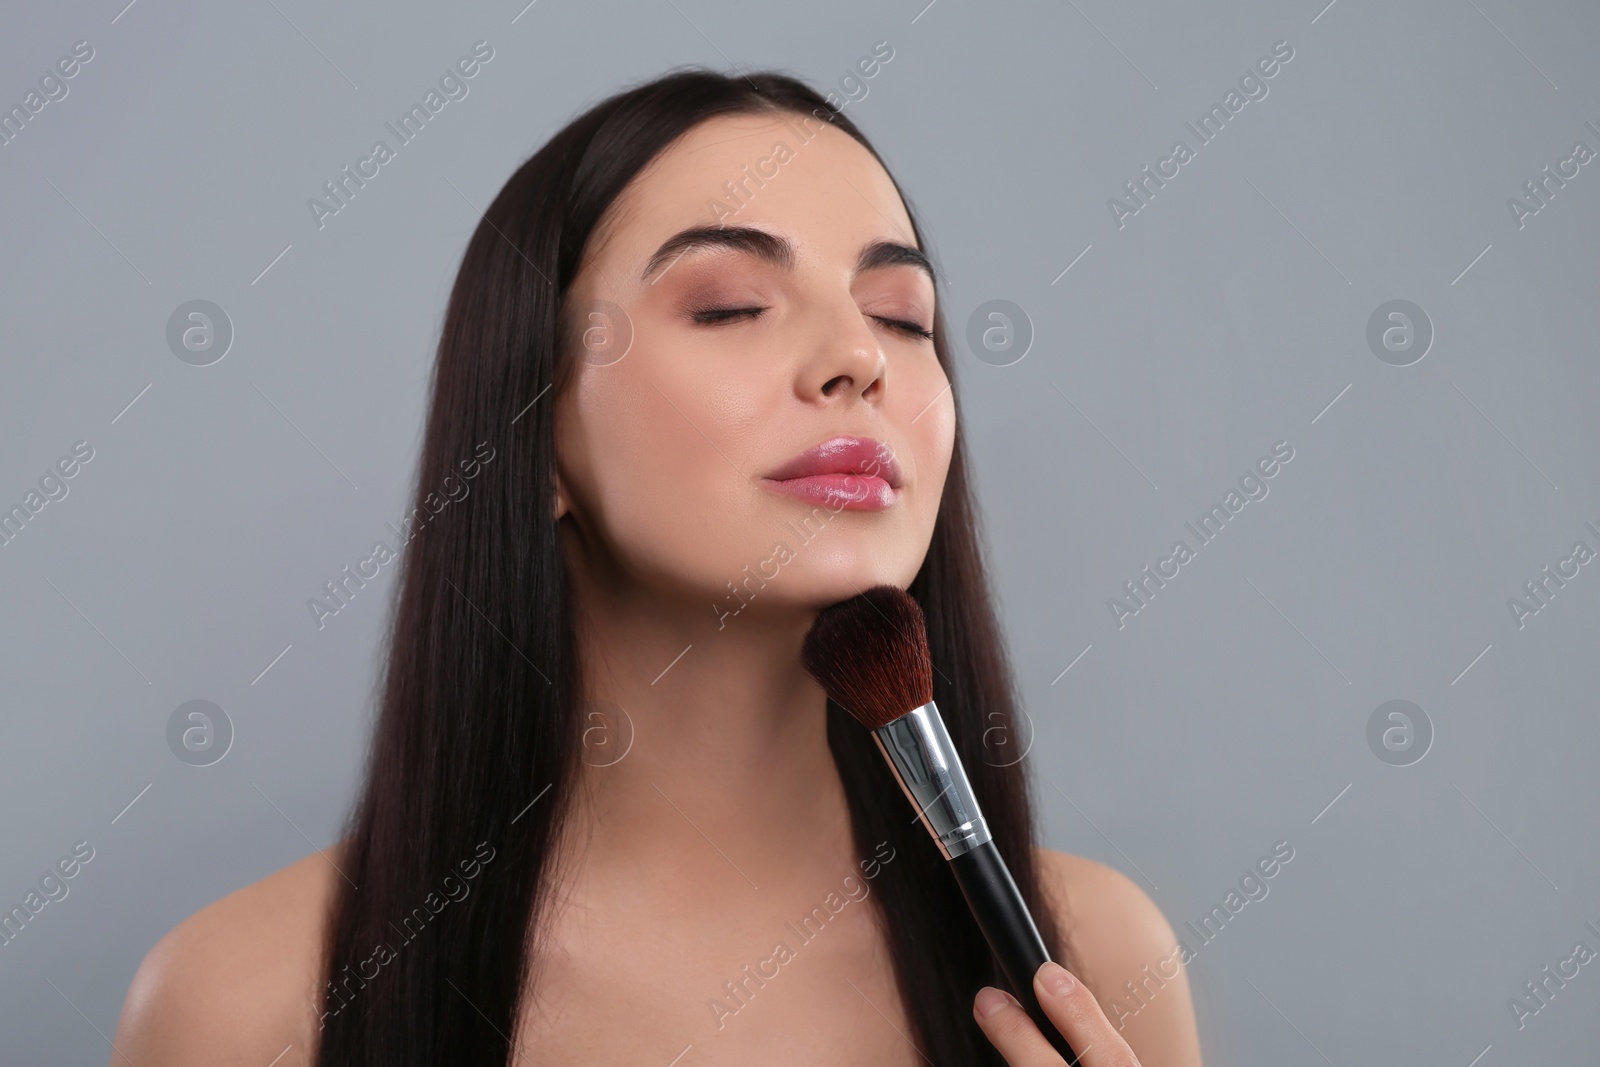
669,484
928,413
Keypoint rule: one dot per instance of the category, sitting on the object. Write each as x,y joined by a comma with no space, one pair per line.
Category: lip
843,472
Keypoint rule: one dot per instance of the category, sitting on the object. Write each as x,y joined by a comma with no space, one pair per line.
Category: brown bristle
871,655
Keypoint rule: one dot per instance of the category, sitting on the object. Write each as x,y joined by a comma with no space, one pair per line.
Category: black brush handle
1003,917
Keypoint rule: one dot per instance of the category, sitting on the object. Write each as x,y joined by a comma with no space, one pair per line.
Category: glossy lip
842,472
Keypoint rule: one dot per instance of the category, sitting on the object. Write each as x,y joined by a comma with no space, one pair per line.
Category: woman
608,818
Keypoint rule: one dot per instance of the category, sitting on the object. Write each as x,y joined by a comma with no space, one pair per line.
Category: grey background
1227,315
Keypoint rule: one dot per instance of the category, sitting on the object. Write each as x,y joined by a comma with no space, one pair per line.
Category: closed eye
715,316
712,316
907,327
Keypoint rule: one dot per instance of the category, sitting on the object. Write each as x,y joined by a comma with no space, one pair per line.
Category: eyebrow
779,251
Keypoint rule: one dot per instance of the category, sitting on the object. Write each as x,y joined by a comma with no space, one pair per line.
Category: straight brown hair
474,753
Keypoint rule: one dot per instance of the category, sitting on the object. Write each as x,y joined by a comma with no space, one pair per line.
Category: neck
705,739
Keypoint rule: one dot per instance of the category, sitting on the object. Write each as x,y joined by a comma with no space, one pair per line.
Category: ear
563,502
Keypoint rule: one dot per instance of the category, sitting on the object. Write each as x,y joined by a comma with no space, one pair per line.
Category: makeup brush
870,653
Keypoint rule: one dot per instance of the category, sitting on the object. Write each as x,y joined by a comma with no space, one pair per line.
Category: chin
827,576
795,571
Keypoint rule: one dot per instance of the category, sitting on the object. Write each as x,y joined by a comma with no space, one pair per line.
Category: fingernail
990,1000
1056,979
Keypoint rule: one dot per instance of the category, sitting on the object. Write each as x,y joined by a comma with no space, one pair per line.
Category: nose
847,360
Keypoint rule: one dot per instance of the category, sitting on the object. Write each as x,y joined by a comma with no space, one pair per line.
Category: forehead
789,174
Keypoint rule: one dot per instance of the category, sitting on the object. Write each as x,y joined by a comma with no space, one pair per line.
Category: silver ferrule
918,747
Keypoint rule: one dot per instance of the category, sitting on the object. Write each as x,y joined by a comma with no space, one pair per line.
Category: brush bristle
871,655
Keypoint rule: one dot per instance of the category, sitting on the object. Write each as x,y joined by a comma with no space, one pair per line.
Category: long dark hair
476,744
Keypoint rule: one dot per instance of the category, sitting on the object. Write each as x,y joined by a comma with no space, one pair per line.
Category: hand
1069,1004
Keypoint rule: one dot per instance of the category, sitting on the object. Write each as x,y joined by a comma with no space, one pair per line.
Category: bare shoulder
1122,937
235,982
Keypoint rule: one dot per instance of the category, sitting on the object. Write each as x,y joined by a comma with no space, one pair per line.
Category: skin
724,818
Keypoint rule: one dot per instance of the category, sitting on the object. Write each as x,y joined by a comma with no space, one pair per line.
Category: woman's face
710,369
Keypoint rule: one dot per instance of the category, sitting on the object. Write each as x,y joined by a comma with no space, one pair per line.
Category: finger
1010,1031
1073,1008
